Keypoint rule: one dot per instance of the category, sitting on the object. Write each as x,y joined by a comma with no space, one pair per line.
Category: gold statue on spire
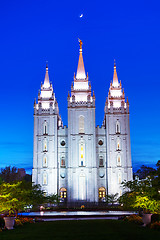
80,43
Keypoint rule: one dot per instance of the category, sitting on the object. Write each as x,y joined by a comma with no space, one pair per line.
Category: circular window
100,142
63,143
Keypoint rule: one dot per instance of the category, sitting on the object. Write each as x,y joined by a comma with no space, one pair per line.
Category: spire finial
46,79
34,102
115,78
80,70
80,43
93,95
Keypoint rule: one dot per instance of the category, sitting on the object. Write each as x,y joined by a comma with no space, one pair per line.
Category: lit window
45,161
81,124
118,144
62,162
118,160
44,178
63,193
119,177
45,144
102,193
81,153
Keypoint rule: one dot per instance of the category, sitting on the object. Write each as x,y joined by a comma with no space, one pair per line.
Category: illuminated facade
81,162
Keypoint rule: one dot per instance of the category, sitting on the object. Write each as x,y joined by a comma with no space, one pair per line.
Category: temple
81,162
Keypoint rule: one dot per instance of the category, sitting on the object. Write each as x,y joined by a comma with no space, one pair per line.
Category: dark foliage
145,171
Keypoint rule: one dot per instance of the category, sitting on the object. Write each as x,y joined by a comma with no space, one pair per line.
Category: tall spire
115,77
80,70
46,80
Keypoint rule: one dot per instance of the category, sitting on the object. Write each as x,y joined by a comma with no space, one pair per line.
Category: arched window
45,128
118,160
119,177
101,164
63,193
44,161
101,193
81,124
45,144
117,127
118,144
63,162
81,153
44,178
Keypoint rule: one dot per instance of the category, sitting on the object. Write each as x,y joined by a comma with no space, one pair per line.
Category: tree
147,204
9,174
127,200
156,180
52,199
145,171
112,198
11,198
14,197
140,194
28,178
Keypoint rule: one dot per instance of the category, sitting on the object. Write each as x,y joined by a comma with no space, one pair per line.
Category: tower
119,167
82,167
46,123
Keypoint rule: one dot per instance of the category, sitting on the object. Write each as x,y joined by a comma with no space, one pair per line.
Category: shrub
18,222
155,218
134,219
155,225
27,220
21,221
1,222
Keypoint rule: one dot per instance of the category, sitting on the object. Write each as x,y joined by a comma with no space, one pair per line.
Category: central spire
80,70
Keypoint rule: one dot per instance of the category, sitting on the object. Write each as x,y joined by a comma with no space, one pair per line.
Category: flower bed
134,219
156,226
20,221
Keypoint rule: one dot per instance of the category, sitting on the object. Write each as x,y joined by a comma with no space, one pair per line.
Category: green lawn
81,230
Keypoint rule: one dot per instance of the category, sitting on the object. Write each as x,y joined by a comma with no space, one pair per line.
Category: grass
81,230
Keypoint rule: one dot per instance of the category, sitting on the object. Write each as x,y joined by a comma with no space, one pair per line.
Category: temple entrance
63,194
102,193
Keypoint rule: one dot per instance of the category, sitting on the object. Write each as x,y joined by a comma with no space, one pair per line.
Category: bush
21,221
1,222
156,226
155,218
134,219
18,222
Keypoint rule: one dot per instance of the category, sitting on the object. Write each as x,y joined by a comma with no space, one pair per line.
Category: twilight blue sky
35,31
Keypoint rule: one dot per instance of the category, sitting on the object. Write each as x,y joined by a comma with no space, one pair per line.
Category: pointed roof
115,77
80,69
46,79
